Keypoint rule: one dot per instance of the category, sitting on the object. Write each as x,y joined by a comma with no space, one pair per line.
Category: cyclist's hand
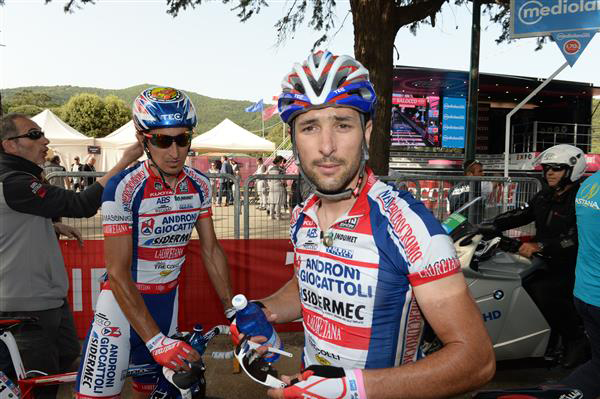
527,249
171,353
323,382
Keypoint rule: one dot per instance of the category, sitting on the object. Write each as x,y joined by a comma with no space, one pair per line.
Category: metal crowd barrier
245,220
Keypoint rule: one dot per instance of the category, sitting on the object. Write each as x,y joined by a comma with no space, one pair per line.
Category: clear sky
121,43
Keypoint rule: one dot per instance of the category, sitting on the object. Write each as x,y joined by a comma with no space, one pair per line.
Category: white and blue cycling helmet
326,80
162,107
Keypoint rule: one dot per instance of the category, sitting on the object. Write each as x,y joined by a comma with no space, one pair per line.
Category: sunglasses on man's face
165,141
31,135
554,167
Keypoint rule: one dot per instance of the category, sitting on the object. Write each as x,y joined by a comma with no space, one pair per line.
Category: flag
256,107
269,112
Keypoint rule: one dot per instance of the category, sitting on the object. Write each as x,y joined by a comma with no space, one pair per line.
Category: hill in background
211,111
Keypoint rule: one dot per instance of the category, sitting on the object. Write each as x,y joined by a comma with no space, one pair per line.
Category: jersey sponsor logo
413,329
116,229
308,223
402,227
111,331
310,246
165,273
100,368
147,227
440,268
170,228
320,353
183,187
115,218
164,266
345,310
38,189
322,327
131,186
166,253
184,217
349,224
169,239
159,193
185,206
163,209
183,197
158,186
345,237
163,200
316,273
311,233
587,203
340,252
100,319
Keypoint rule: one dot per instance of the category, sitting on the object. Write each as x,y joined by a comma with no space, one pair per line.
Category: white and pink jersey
159,219
356,292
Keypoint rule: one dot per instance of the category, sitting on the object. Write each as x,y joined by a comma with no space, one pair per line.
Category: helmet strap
160,171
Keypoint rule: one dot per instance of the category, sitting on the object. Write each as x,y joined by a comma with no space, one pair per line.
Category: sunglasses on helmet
554,167
31,135
165,141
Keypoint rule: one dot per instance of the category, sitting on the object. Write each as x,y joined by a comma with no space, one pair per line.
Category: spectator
277,192
213,180
262,188
587,284
225,188
53,165
76,181
89,167
460,194
33,279
236,173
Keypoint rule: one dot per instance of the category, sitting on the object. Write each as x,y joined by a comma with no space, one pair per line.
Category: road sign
531,18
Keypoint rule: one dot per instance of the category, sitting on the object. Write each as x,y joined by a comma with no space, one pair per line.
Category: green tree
376,24
30,97
85,112
27,109
116,113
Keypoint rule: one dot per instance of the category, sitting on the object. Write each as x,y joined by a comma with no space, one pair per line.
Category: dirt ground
222,383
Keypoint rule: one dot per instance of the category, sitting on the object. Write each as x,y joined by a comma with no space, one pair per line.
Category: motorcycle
495,272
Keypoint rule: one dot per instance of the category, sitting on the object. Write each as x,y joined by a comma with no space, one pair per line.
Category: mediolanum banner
531,18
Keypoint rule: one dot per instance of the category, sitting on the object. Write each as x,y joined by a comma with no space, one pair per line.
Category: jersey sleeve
117,213
435,256
202,184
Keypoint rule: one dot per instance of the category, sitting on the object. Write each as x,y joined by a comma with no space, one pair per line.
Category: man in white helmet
370,261
553,212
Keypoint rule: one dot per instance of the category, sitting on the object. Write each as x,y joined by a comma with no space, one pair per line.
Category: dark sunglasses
165,141
31,135
554,167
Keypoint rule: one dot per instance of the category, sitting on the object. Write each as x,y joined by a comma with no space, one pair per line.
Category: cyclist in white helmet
553,212
370,261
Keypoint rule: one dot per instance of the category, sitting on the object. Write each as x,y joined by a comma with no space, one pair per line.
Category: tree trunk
373,47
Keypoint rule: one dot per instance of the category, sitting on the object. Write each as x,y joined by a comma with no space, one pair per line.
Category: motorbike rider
553,211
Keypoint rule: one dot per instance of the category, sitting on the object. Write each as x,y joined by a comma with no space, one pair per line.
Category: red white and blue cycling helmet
326,80
162,107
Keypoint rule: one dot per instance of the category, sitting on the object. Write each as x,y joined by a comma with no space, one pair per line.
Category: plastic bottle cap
239,301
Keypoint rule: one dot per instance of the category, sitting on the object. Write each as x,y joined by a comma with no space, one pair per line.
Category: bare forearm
218,272
285,302
452,370
131,303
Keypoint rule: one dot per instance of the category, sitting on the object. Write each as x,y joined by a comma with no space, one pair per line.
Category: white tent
114,144
231,138
65,141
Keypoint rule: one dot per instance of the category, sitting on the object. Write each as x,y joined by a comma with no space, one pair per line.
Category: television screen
428,108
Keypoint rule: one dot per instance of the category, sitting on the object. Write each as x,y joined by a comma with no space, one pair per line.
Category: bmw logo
498,294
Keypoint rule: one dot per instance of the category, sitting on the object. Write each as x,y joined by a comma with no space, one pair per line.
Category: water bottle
251,320
197,340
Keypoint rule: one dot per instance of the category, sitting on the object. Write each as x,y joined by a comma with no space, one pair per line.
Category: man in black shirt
33,280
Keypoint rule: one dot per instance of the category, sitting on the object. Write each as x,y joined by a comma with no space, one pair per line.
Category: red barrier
257,269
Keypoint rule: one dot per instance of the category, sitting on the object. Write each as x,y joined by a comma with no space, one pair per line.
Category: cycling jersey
356,278
160,222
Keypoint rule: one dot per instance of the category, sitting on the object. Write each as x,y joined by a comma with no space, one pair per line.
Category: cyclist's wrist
155,341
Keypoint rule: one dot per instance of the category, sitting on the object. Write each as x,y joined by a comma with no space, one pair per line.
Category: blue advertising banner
572,44
454,122
531,18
